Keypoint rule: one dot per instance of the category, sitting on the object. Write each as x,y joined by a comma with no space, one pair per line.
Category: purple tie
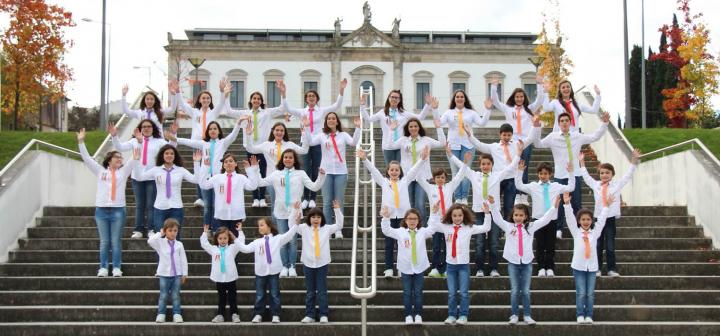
267,250
168,189
149,111
172,256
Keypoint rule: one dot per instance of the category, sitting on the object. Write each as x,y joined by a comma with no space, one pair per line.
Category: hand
206,161
385,212
361,154
306,122
182,115
520,147
539,79
162,232
491,200
581,160
393,125
197,155
124,89
486,208
536,117
206,228
610,199
521,166
636,156
605,117
336,204
428,98
238,227
567,197
138,136
495,81
570,167
184,279
136,154
287,118
174,127
245,164
249,127
435,207
281,87
557,201
448,151
296,206
488,104
222,84
173,86
343,85
435,103
228,90
467,158
468,130
81,135
425,153
597,90
253,160
362,100
321,171
112,129
436,122
546,86
170,136
357,122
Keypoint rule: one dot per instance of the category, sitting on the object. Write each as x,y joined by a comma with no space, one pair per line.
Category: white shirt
257,246
556,142
578,261
613,188
558,108
196,114
405,146
298,181
231,250
162,247
496,149
404,244
263,127
536,190
153,147
330,160
512,236
470,118
104,180
388,196
149,113
462,244
221,145
159,174
270,152
526,118
433,191
319,113
477,178
388,134
307,257
218,183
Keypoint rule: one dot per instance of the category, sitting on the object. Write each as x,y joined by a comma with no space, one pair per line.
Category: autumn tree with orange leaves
34,46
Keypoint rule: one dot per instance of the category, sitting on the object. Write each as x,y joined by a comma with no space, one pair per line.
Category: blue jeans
288,253
259,193
333,189
418,198
169,285
584,293
576,201
464,188
507,188
208,197
390,244
526,154
162,215
316,286
413,293
607,242
520,275
263,284
311,162
145,193
458,279
391,155
482,239
438,252
110,223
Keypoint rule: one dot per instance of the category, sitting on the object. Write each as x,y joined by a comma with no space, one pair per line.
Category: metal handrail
37,144
693,142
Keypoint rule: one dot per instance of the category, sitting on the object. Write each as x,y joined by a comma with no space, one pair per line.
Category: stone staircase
669,284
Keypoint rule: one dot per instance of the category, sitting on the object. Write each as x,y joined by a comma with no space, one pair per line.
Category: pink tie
228,192
520,240
312,121
145,144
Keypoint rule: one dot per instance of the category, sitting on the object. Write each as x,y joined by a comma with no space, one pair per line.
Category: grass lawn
655,138
11,142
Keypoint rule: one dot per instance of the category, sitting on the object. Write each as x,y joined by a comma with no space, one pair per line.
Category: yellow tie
316,238
461,125
396,194
279,150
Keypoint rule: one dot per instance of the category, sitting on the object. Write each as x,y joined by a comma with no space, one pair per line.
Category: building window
307,86
493,76
199,79
531,91
273,95
198,87
529,85
421,89
459,81
458,86
237,95
499,88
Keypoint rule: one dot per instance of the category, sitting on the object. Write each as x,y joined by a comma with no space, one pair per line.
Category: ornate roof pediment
368,36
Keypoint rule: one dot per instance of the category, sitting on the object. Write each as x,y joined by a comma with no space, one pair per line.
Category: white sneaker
513,320
480,274
255,203
450,320
409,320
307,319
418,319
151,233
304,205
518,199
525,199
465,201
312,204
324,319
276,319
160,318
257,319
434,273
388,273
598,273
103,272
177,318
218,319
116,272
588,320
263,204
284,272
199,203
581,319
462,320
236,318
291,272
558,234
613,274
494,273
529,320
338,235
136,235
550,273
541,272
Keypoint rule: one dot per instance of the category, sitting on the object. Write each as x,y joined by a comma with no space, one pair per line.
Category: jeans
482,239
526,154
227,293
545,246
288,253
259,193
263,284
438,252
390,244
333,189
576,201
316,286
418,199
520,275
413,293
169,285
229,224
507,188
607,242
208,197
458,279
145,193
110,223
464,188
162,215
391,155
311,162
584,292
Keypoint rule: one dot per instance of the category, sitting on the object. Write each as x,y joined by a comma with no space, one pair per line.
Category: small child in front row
412,260
172,268
315,257
585,260
267,261
224,269
518,252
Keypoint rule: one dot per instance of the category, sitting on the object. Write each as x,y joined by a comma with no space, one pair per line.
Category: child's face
256,100
315,220
519,216
278,133
213,131
413,128
394,171
288,160
146,128
605,175
458,216
519,98
171,233
505,136
412,220
564,123
263,228
229,164
223,239
585,222
544,175
440,179
169,156
205,100
486,165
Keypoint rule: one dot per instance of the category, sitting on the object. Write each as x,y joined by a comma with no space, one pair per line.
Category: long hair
156,107
468,216
272,129
326,129
197,100
159,160
268,221
399,105
511,100
222,230
411,211
280,165
315,212
156,130
572,97
406,128
262,100
222,165
207,131
467,104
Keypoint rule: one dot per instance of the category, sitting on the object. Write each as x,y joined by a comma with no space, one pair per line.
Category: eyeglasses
146,126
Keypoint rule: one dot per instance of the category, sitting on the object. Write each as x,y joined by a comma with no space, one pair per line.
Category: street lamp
536,61
104,71
196,63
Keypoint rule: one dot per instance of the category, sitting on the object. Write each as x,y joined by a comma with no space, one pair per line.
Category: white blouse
148,148
334,162
388,195
578,261
390,135
558,146
219,184
197,115
406,157
511,251
270,150
318,115
298,181
262,120
614,187
274,242
525,122
177,175
308,257
405,248
558,108
103,195
451,118
162,247
216,272
221,146
462,242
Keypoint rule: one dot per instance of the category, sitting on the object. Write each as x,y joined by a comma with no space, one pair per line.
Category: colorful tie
149,113
228,191
268,257
603,193
145,151
396,194
204,123
413,149
520,239
113,185
393,117
442,201
255,125
413,246
569,147
518,123
337,150
312,120
486,177
454,241
278,149
172,256
316,239
211,155
461,124
546,195
568,108
506,150
587,244
168,188
287,188
222,259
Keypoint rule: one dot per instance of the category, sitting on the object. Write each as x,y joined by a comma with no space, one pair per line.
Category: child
316,257
542,193
518,253
172,267
458,230
224,270
602,190
394,195
267,262
412,260
585,262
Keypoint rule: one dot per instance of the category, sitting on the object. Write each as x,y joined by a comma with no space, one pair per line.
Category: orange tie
518,124
603,193
461,124
508,158
204,124
113,185
279,150
316,238
396,194
587,245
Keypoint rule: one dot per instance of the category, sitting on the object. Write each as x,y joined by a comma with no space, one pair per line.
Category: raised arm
481,146
545,219
205,244
595,108
499,220
487,222
286,237
626,178
376,175
94,167
197,144
355,140
313,185
387,230
570,219
189,110
201,174
588,139
251,180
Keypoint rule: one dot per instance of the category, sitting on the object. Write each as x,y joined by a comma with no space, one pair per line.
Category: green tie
569,147
412,245
485,186
413,150
255,126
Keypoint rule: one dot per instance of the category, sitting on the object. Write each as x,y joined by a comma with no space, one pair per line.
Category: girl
461,113
228,188
224,269
413,143
267,264
458,230
288,182
412,259
565,103
260,117
392,119
518,252
147,141
278,141
316,257
316,115
394,195
109,202
150,105
172,267
333,142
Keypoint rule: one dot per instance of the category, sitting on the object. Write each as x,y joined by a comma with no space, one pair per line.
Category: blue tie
222,259
287,188
393,116
546,195
212,155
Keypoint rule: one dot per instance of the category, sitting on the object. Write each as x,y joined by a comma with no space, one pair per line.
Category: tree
34,46
636,56
83,117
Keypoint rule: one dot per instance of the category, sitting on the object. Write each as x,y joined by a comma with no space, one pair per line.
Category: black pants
545,246
227,293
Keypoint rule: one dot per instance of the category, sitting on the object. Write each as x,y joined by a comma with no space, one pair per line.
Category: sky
138,32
